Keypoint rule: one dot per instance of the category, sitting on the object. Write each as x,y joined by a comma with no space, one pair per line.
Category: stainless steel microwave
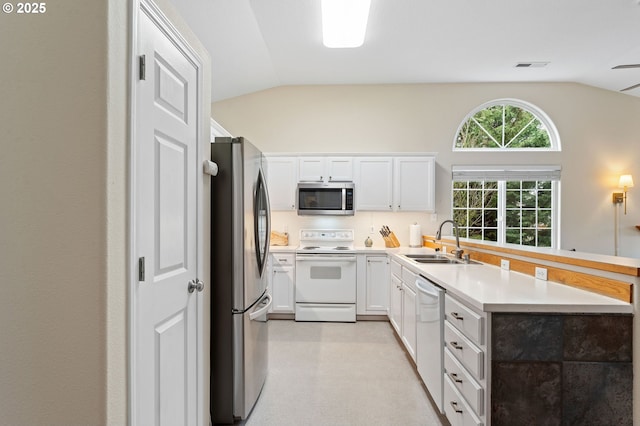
326,199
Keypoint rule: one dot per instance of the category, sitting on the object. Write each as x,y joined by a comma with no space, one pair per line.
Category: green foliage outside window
527,215
503,126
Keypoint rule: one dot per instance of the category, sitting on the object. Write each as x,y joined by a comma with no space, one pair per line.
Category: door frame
159,18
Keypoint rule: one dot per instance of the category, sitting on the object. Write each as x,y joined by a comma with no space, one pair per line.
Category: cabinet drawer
464,319
409,278
471,390
464,350
396,268
283,259
456,408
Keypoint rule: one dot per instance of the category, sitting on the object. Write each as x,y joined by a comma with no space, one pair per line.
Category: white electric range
326,276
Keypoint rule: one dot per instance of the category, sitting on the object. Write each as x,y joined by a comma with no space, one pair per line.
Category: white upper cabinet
373,180
414,184
400,182
325,169
282,178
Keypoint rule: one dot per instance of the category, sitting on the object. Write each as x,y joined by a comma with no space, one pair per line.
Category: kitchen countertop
492,289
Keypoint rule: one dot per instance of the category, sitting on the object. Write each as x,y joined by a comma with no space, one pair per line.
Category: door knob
195,285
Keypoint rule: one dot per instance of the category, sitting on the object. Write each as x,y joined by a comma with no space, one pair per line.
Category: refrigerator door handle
264,309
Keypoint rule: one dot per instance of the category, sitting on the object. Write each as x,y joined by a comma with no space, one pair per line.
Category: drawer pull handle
454,404
457,316
282,260
454,377
455,345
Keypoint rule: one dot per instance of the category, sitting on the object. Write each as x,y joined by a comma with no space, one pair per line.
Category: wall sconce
626,181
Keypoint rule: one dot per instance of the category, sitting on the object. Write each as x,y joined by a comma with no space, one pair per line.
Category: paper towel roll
415,236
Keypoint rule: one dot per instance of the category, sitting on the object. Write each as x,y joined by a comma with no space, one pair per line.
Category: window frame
554,137
502,175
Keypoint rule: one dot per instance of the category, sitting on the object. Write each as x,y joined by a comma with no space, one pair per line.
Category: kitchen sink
425,256
439,259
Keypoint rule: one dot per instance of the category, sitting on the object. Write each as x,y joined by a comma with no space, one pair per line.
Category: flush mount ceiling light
344,22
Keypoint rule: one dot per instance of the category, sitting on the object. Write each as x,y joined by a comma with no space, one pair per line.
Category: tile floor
340,374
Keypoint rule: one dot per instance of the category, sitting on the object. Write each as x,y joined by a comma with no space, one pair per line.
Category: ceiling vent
531,64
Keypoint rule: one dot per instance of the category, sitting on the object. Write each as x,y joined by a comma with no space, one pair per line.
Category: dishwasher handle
427,287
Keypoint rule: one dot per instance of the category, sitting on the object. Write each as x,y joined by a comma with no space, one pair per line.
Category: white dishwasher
430,335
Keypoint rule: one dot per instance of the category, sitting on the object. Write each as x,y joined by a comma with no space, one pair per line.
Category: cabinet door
282,289
395,303
414,184
282,181
339,169
373,179
377,291
311,169
409,320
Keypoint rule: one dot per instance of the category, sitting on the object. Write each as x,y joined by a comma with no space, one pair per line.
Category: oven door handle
316,258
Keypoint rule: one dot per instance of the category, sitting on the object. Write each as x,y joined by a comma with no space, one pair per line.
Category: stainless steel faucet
458,251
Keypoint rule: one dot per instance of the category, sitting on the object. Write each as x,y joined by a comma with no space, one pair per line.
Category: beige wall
63,215
53,174
598,131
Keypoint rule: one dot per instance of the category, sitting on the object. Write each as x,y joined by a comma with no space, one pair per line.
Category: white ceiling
259,44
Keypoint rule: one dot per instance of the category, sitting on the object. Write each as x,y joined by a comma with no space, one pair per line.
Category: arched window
507,204
507,125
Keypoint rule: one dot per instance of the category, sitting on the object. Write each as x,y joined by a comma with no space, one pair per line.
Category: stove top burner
323,241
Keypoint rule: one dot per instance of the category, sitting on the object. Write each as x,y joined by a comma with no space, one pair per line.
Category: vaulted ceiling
259,44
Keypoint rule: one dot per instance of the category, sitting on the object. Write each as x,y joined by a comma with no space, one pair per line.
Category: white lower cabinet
456,407
402,306
465,364
409,319
395,303
373,284
282,283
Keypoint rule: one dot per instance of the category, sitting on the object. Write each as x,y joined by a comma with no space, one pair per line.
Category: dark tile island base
561,369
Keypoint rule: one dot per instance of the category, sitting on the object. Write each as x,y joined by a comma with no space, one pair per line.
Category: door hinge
143,67
141,269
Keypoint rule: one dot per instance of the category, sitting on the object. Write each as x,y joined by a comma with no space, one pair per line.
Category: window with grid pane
528,213
507,205
475,209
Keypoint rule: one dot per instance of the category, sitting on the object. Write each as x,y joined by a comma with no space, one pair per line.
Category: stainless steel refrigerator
240,230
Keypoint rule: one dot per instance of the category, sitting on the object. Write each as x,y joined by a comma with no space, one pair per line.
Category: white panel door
377,294
282,180
373,179
166,165
414,184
